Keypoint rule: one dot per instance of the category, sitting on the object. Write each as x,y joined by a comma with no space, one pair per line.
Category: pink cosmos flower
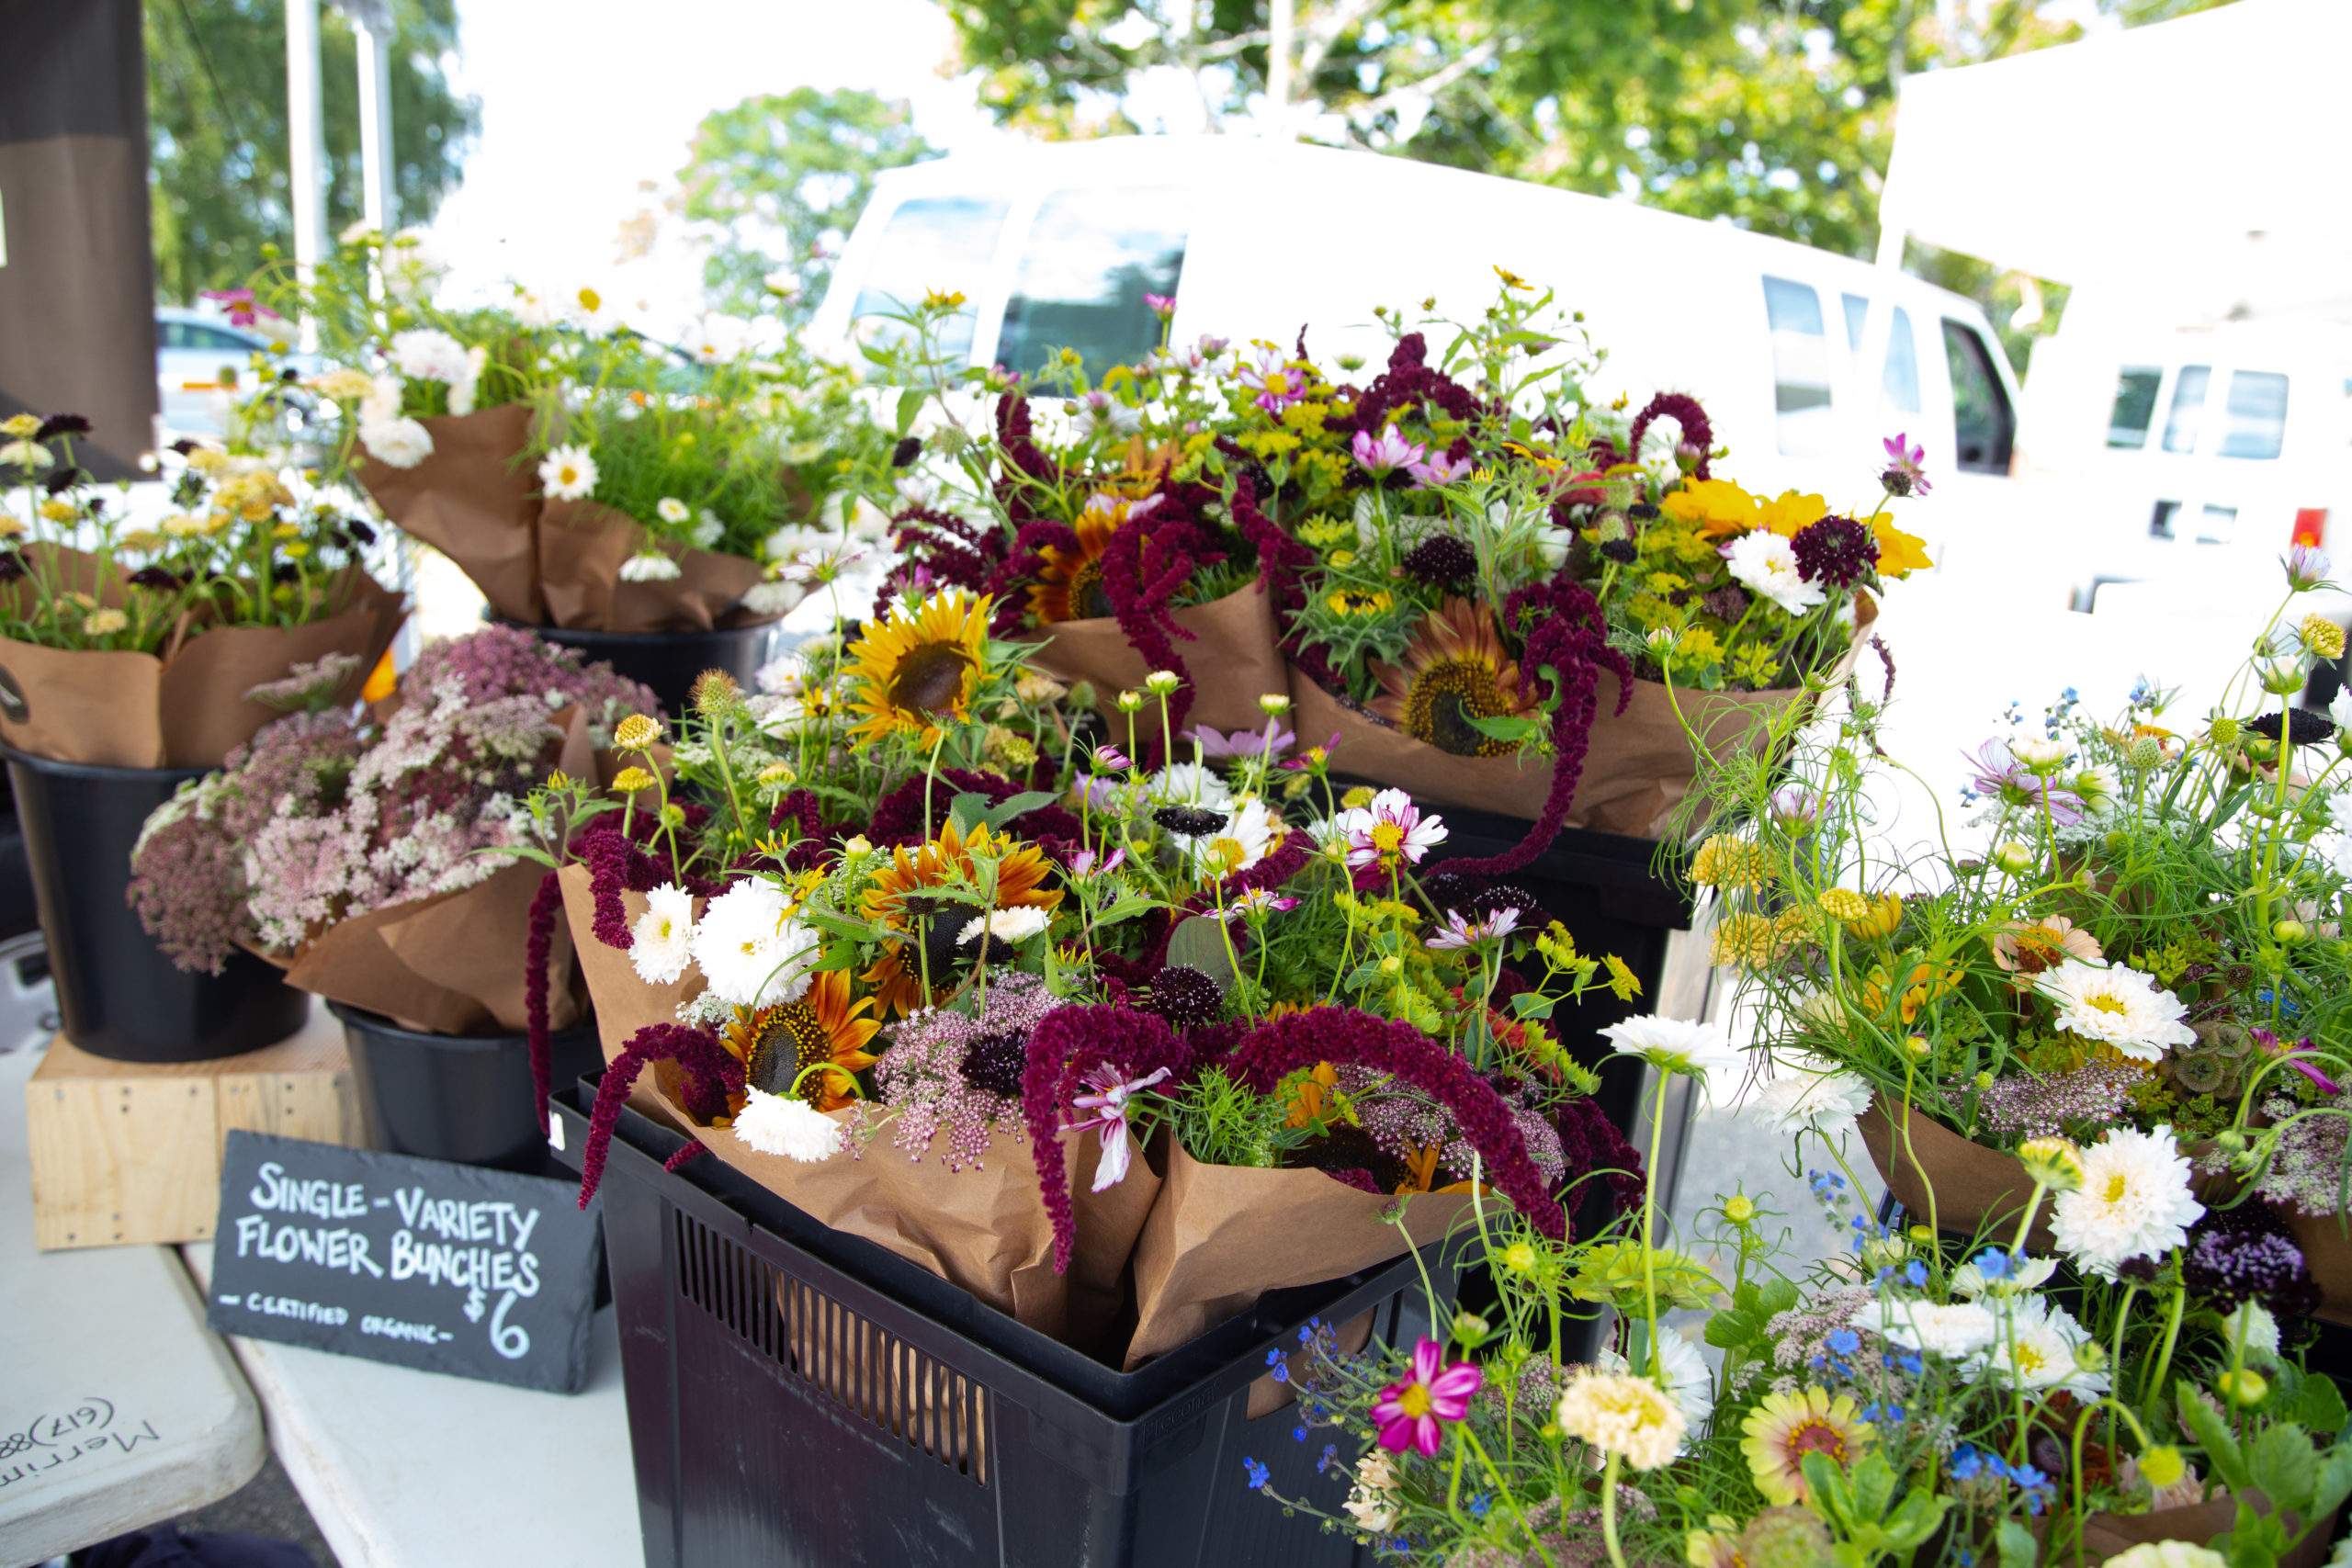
1258,901
1109,1119
1216,743
1111,760
1440,469
1390,828
1409,1411
2307,566
243,309
2269,1044
1384,454
1086,865
1162,305
1278,384
2000,776
1460,933
1904,463
1314,756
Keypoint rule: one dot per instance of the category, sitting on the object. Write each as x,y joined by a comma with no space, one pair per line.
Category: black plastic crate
800,1396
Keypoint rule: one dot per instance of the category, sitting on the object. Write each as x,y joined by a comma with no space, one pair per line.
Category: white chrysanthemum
382,402
1679,1045
461,392
718,339
428,354
1813,1095
753,952
2260,1330
1955,1330
1618,1412
708,529
2117,1006
670,509
1372,1500
1251,831
1765,564
1190,783
2168,1554
773,598
2134,1201
2024,1274
787,1126
1014,926
2040,751
1684,1372
662,940
568,473
652,565
398,442
2035,1348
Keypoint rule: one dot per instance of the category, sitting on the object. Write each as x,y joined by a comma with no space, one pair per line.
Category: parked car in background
1056,246
2180,464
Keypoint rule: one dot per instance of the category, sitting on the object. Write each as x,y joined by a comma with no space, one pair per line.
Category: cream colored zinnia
1623,1414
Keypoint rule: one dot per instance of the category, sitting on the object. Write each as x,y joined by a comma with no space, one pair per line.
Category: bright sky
583,104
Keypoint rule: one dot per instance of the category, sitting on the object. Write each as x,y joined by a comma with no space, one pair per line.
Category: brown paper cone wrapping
188,709
985,1230
2106,1535
1638,766
1232,658
476,500
452,963
2329,1251
1223,1236
1970,1183
583,546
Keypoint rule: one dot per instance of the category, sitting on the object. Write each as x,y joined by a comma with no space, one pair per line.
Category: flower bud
2290,931
2013,857
1917,1048
2244,1388
1273,705
1739,1209
857,844
2229,1140
1469,1328
2162,1466
1130,702
2054,1163
1162,682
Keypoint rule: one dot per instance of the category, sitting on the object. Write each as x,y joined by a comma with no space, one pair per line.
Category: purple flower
2000,776
1314,756
1904,474
1162,305
1430,472
1241,743
1410,1410
1085,865
1258,902
1277,384
2307,566
242,311
1384,454
1108,1104
1461,934
2270,1045
1111,760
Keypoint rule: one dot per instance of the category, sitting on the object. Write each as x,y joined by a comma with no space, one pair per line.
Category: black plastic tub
117,995
800,1396
669,661
466,1098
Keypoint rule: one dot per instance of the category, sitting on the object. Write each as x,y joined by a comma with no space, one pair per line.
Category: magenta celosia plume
711,1076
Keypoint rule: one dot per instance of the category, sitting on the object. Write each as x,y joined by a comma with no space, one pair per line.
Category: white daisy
718,339
785,1125
1015,926
2022,1274
773,598
662,940
1812,1094
652,565
1955,1330
786,675
1251,833
2034,1347
1190,783
2117,1006
398,442
568,473
2133,1201
751,951
428,354
1679,1045
1767,564
670,509
708,529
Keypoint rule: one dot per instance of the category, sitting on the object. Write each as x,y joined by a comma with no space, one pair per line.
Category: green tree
219,149
780,179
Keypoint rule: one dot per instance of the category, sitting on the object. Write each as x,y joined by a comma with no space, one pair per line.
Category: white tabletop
404,1469
117,1406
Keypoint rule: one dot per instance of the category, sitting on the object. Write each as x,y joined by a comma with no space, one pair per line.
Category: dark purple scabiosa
156,578
360,534
2305,726
1477,895
1192,821
1347,1038
2245,1254
62,477
1186,998
12,566
1624,552
710,1077
1442,562
1069,1046
909,449
1726,603
1836,550
59,424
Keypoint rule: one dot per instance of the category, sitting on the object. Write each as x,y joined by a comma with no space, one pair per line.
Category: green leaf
2016,1545
1530,1004
838,955
1511,727
1126,907
541,857
967,810
1200,944
836,925
2283,1465
909,405
2317,1406
1005,810
2213,1435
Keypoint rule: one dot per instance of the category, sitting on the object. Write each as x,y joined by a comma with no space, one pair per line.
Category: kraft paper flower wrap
983,1229
1639,764
186,707
1232,661
2106,1535
1971,1184
583,546
475,500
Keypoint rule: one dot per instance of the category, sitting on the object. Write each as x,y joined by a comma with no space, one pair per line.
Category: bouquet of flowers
358,852
892,931
583,476
134,642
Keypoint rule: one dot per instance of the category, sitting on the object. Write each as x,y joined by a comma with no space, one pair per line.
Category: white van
1056,245
2186,461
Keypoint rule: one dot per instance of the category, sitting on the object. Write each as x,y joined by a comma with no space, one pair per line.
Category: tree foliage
219,148
780,180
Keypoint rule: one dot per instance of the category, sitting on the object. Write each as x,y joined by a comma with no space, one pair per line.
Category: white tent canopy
2199,164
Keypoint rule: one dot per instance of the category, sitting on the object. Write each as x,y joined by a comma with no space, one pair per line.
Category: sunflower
1787,1427
1069,587
895,900
1454,672
908,672
777,1043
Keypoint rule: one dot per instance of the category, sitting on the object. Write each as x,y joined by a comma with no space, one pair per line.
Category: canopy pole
306,152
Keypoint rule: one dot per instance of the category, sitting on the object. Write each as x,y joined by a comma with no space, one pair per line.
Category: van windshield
1092,255
2135,406
946,243
2257,413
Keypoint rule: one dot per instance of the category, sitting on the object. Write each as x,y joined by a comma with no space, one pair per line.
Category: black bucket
117,995
669,661
464,1097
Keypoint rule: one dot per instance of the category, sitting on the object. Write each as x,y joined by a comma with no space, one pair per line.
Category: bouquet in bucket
582,475
131,640
902,945
361,851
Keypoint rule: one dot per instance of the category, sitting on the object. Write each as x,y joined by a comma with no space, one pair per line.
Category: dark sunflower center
1089,600
786,1040
1446,697
930,678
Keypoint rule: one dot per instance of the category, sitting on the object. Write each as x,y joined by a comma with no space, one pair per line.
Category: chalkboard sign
449,1268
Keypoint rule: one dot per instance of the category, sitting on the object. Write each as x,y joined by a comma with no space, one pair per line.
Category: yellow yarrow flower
1744,941
632,779
1845,905
1729,862
2321,637
636,732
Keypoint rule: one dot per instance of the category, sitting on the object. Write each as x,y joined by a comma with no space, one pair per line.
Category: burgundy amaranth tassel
1684,411
1066,1044
538,956
713,1078
689,1152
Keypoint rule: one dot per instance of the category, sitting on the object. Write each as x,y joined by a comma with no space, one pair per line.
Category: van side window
1092,255
946,243
1800,367
1899,381
2188,410
2135,406
2256,411
1985,426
